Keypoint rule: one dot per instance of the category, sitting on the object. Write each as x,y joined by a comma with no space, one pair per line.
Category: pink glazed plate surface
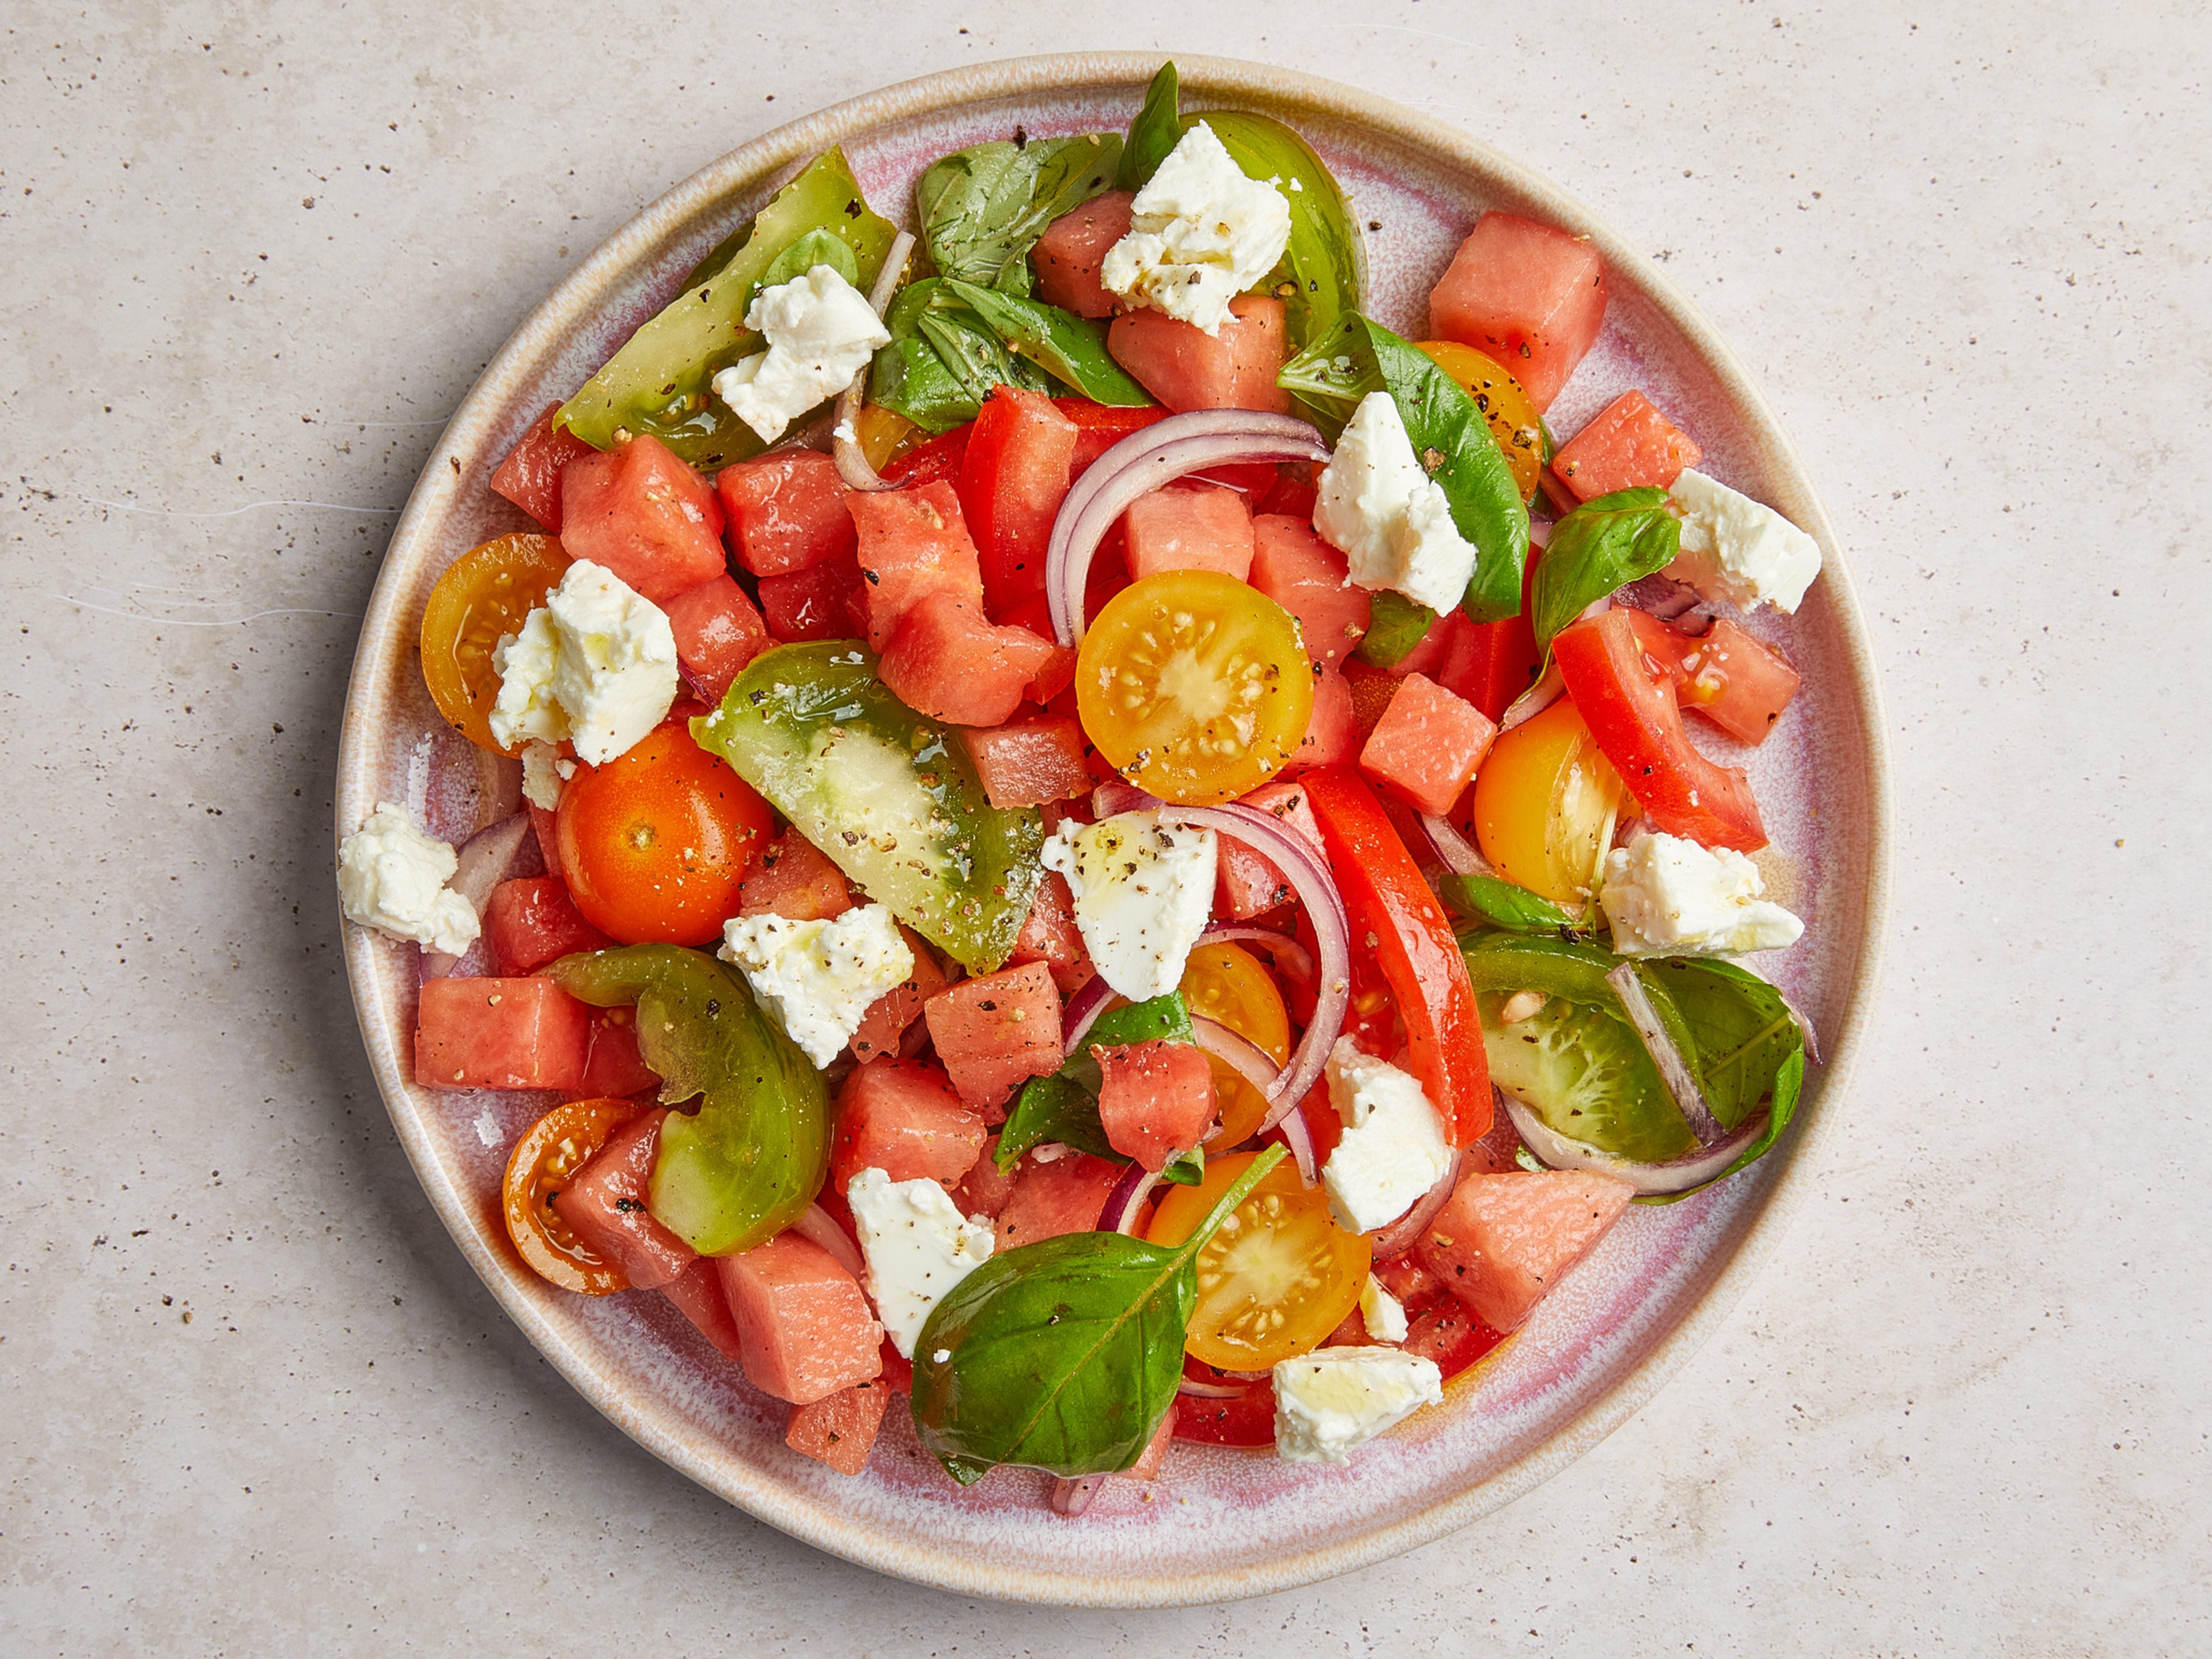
1217,1523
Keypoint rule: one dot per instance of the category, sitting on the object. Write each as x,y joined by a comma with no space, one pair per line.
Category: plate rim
683,1445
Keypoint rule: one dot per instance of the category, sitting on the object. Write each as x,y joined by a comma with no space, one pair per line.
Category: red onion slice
1198,1390
1458,852
1558,1151
485,858
1082,1013
817,1226
1400,1235
1289,956
1673,1071
1243,1056
1293,1128
1535,700
1128,1199
1071,1497
853,465
1678,605
1112,798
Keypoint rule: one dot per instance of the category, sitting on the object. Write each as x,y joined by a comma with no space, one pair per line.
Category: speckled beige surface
1963,1410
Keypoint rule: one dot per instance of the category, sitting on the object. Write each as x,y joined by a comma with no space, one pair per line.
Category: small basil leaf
982,208
1601,545
1186,1169
816,247
1502,904
1395,624
1154,133
1066,1354
1064,1105
1070,349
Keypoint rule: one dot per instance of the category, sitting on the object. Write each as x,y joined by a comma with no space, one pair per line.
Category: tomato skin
1542,803
655,842
1637,725
1099,426
550,1154
1510,412
1725,675
484,594
936,461
1385,896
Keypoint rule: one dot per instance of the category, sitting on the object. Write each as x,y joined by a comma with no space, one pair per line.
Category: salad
1107,849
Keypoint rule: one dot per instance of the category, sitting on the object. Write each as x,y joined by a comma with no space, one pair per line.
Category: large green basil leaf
660,382
982,208
746,1165
944,359
1323,272
1063,1355
1069,348
1395,624
1155,132
1602,544
1063,1106
1450,435
1736,1031
1499,903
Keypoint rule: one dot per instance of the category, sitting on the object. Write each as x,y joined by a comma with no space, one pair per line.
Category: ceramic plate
1217,1523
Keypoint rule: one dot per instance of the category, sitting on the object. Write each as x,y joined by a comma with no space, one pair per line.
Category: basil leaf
1063,1106
1070,349
1450,435
1601,545
1323,269
942,361
816,247
1395,624
1736,1032
982,208
1502,904
1063,1355
1155,132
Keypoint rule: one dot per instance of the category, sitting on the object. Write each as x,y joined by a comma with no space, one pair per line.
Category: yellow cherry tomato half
1510,411
1194,686
1226,984
485,593
1277,1277
1545,802
884,436
547,1159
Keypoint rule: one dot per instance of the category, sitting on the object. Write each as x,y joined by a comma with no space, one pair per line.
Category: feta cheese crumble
1201,234
1377,506
1382,1313
1739,549
393,877
1394,1148
543,771
818,979
917,1246
1664,896
1144,891
1331,1400
821,331
595,664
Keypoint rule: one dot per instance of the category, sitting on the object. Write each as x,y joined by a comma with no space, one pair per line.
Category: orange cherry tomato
1226,984
485,593
655,841
546,1160
1510,411
1545,802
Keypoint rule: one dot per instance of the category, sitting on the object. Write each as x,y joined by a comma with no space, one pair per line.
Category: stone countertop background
254,1401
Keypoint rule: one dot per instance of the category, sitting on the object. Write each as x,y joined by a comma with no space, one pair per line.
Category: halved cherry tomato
885,436
1510,411
654,843
1276,1279
1546,801
1397,918
551,1153
1739,684
1638,723
1226,984
1193,686
485,593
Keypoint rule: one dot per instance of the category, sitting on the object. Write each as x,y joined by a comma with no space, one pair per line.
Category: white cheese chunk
821,331
1382,1313
1394,1148
544,772
1331,1400
1201,234
1143,891
917,1246
595,664
1377,506
1739,549
818,979
1664,896
393,877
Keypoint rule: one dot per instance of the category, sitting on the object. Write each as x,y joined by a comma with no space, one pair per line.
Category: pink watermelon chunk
983,1190
1629,445
1070,254
998,1031
900,1006
1530,295
1028,763
787,511
1311,580
803,1322
606,1207
913,543
1332,738
949,663
902,1117
697,1291
794,880
1063,1196
1425,748
1186,369
718,631
841,1431
1155,1098
1502,1242
1251,884
1188,529
1050,936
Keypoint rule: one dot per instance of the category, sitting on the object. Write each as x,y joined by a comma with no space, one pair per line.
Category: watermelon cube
1629,445
1013,477
1501,1241
641,513
1180,528
814,604
1425,748
1311,580
1187,368
1051,937
1072,251
889,1015
1155,1098
983,1190
841,1431
997,1031
615,1065
1249,884
531,921
795,881
902,1117
913,543
1048,1199
606,1207
1330,739
786,512
1029,763
697,1293
498,1034
947,661
1530,295
530,476
718,632
803,1322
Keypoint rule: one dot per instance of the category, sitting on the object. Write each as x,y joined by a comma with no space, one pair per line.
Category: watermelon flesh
996,1032
1186,369
606,1207
803,1323
1050,936
1528,295
1311,580
1180,528
796,881
1629,445
1425,748
1331,738
902,1117
698,1292
1048,1199
641,513
524,1033
1155,1098
984,1189
841,1431
949,662
1502,1242
913,543
786,512
889,1015
1030,762
718,632
1071,252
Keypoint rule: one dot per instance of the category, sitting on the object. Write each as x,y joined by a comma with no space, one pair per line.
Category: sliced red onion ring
1535,700
1127,1200
1139,463
1673,1071
1112,798
1071,1497
1083,1010
1198,1390
853,465
1293,1128
1459,853
1400,1235
1676,604
1291,956
817,1226
485,858
1558,1151
1242,1055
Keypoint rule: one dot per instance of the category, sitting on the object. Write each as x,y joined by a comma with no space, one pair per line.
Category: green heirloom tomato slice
1584,1072
889,796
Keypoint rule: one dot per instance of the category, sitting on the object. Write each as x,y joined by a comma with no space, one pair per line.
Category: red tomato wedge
1637,725
1387,901
1099,426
